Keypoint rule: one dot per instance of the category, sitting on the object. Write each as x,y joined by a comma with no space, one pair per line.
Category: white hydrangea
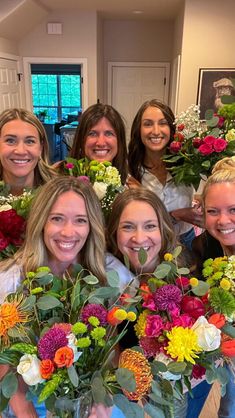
100,189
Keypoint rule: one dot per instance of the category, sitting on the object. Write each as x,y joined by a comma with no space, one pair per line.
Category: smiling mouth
227,231
66,245
137,249
15,161
101,151
157,140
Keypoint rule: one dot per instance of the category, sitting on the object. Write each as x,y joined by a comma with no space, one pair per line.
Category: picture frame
212,84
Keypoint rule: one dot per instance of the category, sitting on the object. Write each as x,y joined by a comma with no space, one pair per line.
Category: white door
9,84
132,84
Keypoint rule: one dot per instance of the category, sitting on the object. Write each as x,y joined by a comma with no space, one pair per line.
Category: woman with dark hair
101,136
152,130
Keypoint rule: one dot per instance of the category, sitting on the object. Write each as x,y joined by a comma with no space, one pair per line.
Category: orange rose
64,357
217,319
145,291
47,368
228,348
111,316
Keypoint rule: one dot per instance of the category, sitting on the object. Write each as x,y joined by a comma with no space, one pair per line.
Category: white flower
230,135
100,189
72,340
208,335
29,368
166,360
5,207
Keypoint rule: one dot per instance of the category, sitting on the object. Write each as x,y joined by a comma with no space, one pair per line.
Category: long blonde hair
43,172
34,253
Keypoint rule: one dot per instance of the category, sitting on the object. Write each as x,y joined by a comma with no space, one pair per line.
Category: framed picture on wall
212,84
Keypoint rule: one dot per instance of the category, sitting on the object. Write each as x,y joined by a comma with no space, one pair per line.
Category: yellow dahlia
138,364
141,324
183,344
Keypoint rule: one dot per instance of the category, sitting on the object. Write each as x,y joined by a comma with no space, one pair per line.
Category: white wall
79,39
208,42
136,41
8,47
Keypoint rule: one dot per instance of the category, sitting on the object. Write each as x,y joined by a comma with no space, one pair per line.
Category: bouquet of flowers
60,334
181,330
198,145
103,176
13,214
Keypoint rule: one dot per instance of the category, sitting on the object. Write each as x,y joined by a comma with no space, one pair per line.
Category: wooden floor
212,403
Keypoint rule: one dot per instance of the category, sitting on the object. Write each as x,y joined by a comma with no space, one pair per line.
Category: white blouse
173,196
9,281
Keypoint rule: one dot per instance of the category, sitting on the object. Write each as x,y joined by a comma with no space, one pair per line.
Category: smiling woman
24,151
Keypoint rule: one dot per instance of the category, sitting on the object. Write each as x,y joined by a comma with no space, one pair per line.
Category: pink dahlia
167,297
93,309
154,326
51,341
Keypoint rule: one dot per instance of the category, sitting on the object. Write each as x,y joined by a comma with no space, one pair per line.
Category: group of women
65,225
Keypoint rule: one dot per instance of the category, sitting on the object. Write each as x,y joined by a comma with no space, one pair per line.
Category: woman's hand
100,411
193,215
18,403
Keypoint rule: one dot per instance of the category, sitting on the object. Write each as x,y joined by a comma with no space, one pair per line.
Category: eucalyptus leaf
160,399
210,376
29,302
223,389
48,302
201,289
176,367
166,387
142,256
154,411
162,271
209,114
126,261
9,385
113,278
158,366
222,375
227,99
98,390
177,251
126,379
75,296
46,279
211,123
229,330
129,409
73,376
106,292
183,271
91,279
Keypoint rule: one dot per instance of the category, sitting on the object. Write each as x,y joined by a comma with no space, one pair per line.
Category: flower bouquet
103,176
60,334
198,145
180,331
13,213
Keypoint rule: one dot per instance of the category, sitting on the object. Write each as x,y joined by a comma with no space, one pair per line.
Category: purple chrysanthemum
150,346
167,297
50,342
93,309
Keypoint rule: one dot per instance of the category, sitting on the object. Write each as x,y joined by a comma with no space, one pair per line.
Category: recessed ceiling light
138,12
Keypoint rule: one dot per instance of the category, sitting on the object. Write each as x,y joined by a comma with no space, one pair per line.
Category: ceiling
120,9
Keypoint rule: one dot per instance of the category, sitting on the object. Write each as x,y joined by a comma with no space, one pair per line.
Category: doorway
132,83
10,88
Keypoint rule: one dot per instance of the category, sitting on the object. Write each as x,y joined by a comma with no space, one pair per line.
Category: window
56,91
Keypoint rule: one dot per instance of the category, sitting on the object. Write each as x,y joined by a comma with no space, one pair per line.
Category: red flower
182,282
175,146
220,144
193,306
198,371
178,137
180,127
209,140
11,224
228,348
205,149
46,368
197,142
4,241
217,319
64,357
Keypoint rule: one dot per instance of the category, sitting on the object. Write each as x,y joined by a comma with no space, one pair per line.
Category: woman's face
20,150
220,213
66,230
154,130
101,142
138,228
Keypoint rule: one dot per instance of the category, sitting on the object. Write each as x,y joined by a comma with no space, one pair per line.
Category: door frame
112,64
27,61
17,59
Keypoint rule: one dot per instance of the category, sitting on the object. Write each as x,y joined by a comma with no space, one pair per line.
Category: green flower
98,333
43,269
83,342
207,271
208,262
79,328
94,321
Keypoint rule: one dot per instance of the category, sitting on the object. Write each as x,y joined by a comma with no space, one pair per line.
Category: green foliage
9,385
222,301
126,379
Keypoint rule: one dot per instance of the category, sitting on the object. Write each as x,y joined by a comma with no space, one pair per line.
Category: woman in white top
152,130
65,227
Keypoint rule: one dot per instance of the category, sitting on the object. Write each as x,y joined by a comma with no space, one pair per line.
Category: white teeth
227,231
101,152
20,161
138,248
155,140
66,245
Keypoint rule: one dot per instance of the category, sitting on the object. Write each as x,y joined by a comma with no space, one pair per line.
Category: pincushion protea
13,314
138,364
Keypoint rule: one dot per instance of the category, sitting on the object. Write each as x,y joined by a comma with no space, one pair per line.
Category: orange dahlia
138,364
12,315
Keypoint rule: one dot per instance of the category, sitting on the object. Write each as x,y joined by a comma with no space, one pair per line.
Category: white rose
166,360
100,189
5,207
29,368
72,340
208,335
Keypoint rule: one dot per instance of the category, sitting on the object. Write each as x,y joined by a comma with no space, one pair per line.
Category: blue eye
92,133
